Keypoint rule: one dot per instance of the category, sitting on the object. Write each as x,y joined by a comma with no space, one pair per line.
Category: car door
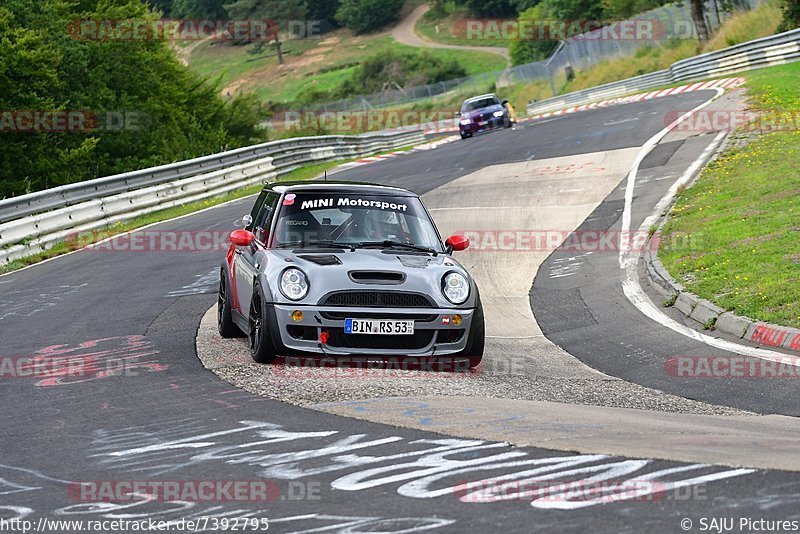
247,258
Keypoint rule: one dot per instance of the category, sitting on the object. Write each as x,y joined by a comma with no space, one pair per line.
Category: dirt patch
330,41
314,55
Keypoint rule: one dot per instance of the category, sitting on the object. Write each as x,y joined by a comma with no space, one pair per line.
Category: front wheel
477,338
225,325
262,349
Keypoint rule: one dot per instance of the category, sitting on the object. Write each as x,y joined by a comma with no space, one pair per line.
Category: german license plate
378,326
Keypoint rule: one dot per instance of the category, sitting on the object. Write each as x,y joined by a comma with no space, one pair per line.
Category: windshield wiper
326,244
397,244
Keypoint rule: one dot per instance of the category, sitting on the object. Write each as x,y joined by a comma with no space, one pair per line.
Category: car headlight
498,113
294,284
455,288
464,122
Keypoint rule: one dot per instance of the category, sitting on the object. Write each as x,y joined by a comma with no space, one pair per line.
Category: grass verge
744,216
306,172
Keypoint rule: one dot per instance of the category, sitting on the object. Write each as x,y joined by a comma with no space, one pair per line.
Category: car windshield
472,105
355,220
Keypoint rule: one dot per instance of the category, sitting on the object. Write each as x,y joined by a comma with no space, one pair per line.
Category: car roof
317,186
481,97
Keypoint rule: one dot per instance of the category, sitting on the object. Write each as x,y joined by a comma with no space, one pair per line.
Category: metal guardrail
65,195
764,52
35,222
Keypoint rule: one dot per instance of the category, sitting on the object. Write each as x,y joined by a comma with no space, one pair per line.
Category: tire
262,348
465,136
227,328
477,338
478,335
507,122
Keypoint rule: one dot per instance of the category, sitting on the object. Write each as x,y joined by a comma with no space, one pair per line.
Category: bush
388,70
364,16
391,69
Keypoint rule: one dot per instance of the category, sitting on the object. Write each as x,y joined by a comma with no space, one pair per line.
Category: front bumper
434,331
477,127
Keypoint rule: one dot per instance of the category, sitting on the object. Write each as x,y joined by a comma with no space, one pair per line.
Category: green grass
322,64
452,27
743,215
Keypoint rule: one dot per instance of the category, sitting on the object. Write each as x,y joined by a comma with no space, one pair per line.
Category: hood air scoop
377,277
321,259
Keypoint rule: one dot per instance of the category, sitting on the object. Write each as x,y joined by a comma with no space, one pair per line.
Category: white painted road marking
627,260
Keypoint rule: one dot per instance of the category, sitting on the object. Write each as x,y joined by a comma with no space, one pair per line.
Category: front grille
419,340
376,299
341,316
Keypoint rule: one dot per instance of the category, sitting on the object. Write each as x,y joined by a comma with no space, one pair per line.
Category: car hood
482,113
368,270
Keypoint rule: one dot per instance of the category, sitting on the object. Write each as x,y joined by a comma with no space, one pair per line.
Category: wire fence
584,51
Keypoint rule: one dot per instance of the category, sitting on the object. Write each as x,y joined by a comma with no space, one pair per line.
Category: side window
254,212
263,220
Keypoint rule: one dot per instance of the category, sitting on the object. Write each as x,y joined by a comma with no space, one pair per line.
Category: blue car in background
483,113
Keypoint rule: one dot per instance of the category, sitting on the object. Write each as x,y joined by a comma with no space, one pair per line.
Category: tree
43,68
364,16
323,10
279,11
199,9
575,9
529,50
791,15
492,8
623,9
163,6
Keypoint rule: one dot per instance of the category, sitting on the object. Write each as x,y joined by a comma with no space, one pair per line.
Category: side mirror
458,113
242,238
456,242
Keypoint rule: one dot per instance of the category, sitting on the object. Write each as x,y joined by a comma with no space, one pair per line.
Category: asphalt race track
142,407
